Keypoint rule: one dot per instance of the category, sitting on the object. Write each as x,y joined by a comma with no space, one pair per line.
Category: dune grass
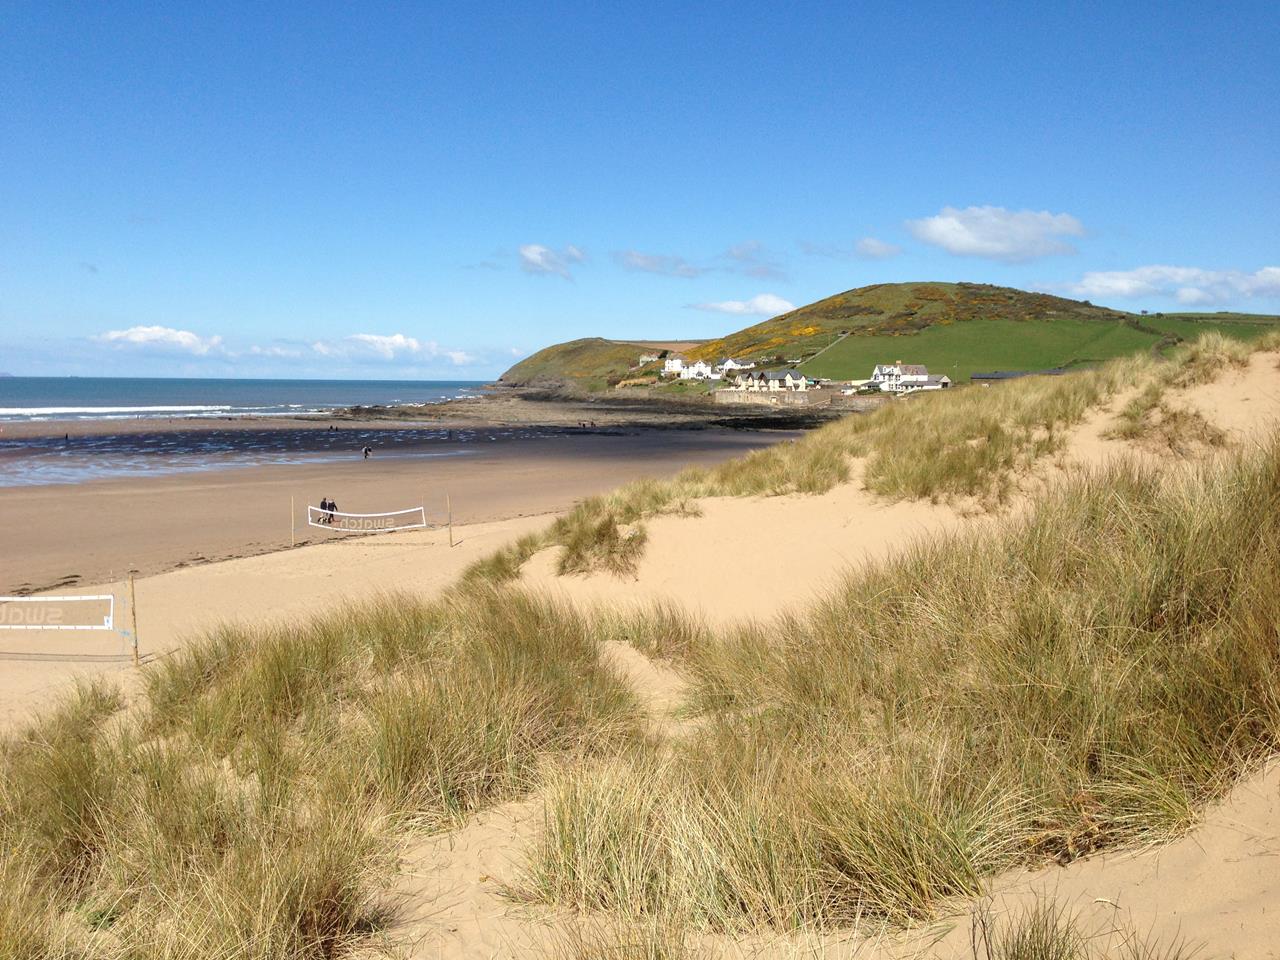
940,446
246,806
963,443
1089,676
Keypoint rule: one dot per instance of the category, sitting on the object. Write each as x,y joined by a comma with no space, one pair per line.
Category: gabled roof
907,369
783,374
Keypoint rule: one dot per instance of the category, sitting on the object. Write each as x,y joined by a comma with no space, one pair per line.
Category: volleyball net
414,518
96,612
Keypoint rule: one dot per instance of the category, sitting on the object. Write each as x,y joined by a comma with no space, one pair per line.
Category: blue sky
390,190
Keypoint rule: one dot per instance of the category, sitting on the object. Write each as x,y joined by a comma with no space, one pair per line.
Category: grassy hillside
894,309
960,349
954,328
590,364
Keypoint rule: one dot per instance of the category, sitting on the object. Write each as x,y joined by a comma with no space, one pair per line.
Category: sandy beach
62,535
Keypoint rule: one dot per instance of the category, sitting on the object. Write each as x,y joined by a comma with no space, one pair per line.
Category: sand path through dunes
753,557
1245,401
449,892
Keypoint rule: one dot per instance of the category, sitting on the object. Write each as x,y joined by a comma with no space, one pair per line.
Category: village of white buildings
742,377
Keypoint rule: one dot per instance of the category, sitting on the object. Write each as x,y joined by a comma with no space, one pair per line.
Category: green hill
953,328
588,364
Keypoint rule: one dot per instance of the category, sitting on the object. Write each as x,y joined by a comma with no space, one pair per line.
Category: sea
38,457
127,398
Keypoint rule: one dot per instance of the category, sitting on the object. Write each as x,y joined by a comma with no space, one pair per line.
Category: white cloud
1187,285
998,234
761,305
165,338
387,346
535,258
380,346
871,248
666,264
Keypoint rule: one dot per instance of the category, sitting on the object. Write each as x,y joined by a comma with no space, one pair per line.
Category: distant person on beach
367,451
333,508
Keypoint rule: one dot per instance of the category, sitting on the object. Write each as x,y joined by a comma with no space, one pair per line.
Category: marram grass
244,808
1085,677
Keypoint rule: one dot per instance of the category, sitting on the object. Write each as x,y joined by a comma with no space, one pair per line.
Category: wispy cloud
366,347
749,259
868,248
1013,236
161,338
668,265
276,352
753,259
872,248
761,305
1187,285
535,258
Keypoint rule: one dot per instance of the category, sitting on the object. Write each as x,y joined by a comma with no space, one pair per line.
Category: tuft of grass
619,941
1045,931
503,566
243,809
1084,677
661,630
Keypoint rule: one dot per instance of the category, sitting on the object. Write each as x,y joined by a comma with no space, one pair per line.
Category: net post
449,505
292,523
133,614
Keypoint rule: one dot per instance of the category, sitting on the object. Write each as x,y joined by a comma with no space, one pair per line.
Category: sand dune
739,558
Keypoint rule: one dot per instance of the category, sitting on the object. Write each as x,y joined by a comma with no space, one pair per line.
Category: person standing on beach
367,451
333,508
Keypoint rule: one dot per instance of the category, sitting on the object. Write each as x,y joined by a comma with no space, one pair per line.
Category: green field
961,349
1189,326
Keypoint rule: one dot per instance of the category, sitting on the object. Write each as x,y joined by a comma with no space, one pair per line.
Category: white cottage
699,370
673,365
899,377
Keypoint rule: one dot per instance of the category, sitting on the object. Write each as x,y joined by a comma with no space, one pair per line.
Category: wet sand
68,535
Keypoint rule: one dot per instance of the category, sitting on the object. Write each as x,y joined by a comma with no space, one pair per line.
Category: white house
772,381
728,365
699,370
648,357
673,365
899,377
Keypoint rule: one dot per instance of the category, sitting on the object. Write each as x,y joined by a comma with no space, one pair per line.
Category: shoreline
495,407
